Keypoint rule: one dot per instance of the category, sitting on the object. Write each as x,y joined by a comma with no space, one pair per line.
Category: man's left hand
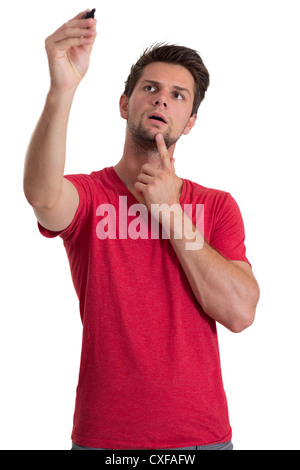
159,185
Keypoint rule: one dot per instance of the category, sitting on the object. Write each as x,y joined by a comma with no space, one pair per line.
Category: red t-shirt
150,373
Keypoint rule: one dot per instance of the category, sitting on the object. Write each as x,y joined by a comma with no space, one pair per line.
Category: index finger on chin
162,149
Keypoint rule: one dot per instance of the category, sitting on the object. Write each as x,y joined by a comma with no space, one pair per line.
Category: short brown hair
172,54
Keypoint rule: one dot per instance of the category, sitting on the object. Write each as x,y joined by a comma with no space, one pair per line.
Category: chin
145,138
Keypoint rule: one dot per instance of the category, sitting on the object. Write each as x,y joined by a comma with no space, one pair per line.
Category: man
152,279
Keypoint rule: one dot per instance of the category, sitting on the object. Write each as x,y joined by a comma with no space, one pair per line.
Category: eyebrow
158,84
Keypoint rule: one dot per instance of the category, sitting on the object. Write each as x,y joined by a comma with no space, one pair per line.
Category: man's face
161,102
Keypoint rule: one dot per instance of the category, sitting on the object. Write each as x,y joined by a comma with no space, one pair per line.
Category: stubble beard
145,140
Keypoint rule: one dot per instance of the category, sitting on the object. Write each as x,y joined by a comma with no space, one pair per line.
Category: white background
246,141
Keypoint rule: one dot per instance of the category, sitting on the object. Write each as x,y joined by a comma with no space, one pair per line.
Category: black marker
90,14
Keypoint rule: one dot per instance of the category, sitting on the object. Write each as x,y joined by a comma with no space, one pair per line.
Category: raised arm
54,198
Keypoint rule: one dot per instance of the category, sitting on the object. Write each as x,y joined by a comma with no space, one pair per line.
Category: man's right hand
69,50
54,198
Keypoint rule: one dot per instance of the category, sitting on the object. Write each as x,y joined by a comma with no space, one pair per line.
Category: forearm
45,157
226,290
227,293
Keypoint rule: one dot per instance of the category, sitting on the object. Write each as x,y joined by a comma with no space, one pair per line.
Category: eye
150,88
178,96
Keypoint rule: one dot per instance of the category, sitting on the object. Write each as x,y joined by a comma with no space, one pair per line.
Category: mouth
157,118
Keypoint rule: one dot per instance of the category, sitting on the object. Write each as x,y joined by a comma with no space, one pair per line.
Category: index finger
162,150
81,15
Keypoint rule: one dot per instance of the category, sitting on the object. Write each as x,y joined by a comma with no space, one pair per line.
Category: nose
161,100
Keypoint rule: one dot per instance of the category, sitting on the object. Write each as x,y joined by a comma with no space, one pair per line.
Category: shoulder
219,205
197,193
88,184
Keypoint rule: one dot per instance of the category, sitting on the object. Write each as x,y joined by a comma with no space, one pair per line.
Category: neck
134,157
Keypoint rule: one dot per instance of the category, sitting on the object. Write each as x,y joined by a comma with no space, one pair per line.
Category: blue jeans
224,446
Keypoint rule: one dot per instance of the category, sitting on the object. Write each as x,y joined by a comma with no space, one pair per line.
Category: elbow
245,316
242,322
29,197
38,199
29,193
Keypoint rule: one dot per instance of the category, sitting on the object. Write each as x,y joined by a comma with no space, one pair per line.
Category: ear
124,106
190,124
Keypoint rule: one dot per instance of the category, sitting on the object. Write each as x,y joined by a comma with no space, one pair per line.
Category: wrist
176,221
59,102
171,218
61,96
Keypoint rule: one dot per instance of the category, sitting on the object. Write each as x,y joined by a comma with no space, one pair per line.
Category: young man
151,278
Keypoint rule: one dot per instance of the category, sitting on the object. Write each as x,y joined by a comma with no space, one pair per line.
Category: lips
156,117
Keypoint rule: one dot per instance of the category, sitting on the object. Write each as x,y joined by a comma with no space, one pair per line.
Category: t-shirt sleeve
228,236
82,184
